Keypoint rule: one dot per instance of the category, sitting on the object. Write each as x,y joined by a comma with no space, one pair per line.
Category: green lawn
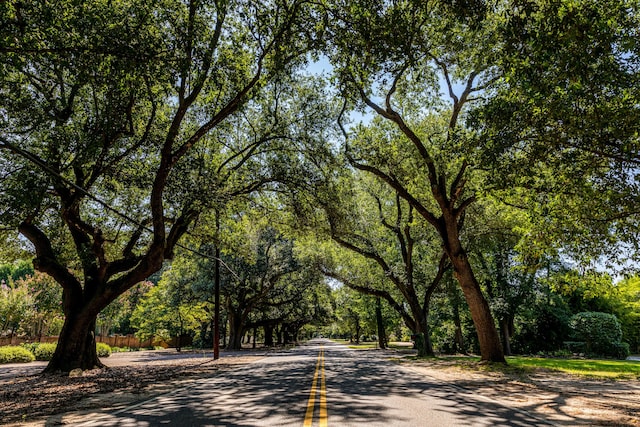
593,368
614,369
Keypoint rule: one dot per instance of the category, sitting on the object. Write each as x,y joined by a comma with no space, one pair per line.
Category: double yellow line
311,404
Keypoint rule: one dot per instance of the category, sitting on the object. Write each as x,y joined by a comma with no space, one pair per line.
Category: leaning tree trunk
490,345
488,338
76,346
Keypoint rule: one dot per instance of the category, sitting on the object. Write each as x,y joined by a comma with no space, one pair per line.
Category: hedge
15,354
45,351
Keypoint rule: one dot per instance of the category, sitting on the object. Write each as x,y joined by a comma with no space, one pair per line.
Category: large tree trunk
490,345
425,347
488,338
235,331
76,346
268,335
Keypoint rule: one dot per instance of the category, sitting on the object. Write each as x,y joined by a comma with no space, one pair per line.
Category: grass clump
15,354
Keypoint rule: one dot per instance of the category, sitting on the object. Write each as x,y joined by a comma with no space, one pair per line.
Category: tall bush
601,332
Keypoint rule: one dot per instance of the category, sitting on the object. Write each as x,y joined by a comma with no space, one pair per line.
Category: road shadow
362,389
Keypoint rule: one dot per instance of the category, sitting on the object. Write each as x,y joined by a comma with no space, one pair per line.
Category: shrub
103,349
620,350
45,351
31,346
599,330
601,333
15,354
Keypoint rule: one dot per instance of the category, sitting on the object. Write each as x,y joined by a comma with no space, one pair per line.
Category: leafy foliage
599,330
561,131
163,313
15,304
103,349
15,354
45,351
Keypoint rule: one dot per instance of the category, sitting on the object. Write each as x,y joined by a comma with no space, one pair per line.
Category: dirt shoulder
30,399
563,399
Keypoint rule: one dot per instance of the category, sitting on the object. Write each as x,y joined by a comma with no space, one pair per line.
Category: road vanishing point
318,384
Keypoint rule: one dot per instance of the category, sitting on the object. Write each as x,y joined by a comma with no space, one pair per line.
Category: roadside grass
522,365
360,346
596,368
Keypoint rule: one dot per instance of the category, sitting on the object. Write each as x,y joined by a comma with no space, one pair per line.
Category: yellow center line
323,396
319,372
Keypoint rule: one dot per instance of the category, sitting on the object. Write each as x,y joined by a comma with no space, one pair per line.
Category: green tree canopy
104,108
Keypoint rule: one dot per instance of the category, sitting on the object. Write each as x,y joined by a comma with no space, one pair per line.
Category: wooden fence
112,340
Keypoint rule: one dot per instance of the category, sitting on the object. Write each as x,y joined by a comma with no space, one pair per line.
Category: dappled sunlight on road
270,392
364,389
361,389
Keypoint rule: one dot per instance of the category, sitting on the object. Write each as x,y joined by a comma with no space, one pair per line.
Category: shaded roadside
13,370
558,397
29,398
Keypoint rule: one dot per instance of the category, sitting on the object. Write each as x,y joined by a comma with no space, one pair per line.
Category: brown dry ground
563,399
566,400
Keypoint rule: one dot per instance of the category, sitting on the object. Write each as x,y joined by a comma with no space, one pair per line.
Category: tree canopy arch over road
123,124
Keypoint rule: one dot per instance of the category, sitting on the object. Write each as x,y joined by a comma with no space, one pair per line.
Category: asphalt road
319,384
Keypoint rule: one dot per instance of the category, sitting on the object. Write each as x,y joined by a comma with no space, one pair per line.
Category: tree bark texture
236,331
76,346
505,329
488,338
